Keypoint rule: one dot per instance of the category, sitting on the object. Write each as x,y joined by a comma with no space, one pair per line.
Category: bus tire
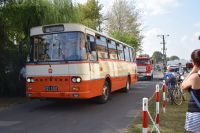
128,86
105,94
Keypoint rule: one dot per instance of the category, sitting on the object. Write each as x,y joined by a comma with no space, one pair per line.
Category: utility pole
164,48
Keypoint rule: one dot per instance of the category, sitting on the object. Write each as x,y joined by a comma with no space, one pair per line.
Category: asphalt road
78,116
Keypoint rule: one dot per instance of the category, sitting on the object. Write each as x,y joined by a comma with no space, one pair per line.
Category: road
78,116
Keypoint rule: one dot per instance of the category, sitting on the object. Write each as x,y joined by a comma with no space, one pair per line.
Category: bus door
94,65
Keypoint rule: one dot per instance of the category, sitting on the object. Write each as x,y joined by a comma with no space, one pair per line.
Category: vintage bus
75,62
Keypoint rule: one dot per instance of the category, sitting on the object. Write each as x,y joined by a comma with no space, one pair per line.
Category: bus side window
91,47
120,50
101,45
126,52
112,50
131,54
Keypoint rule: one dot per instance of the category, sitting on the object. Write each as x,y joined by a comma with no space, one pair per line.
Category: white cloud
197,25
157,7
184,38
196,35
151,42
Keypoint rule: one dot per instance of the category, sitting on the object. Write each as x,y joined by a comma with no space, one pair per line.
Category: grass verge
170,122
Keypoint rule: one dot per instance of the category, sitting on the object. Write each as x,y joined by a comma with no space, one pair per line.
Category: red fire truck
145,67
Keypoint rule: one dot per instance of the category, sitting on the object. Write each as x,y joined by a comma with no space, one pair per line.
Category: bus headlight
76,79
30,80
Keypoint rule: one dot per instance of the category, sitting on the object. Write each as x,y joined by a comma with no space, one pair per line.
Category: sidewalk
6,102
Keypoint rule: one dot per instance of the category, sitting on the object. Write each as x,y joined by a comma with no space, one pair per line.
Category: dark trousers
22,86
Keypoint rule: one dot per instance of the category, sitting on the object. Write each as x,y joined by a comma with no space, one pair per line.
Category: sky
180,19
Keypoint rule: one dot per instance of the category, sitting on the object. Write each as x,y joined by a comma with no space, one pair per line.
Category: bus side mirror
152,62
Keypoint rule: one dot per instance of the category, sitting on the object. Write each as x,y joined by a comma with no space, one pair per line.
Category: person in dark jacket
192,84
22,79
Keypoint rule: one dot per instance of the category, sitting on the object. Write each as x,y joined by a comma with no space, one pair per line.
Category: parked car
175,68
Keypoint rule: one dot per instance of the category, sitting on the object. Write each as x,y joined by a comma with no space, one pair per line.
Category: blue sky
178,18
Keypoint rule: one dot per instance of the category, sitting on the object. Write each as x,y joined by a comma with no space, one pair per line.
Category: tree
90,14
123,19
125,37
174,57
157,56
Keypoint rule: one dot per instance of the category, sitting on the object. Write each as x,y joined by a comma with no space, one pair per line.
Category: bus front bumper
60,95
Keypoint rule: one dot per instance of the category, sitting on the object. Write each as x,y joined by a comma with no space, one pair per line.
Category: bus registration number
51,88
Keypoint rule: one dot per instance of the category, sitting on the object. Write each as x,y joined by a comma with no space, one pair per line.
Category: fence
145,111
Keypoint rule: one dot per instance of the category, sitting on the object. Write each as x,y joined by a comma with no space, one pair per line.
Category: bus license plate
51,88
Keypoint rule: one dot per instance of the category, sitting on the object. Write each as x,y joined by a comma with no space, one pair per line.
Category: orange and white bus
75,62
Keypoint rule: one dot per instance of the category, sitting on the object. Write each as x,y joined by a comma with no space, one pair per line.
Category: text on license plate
51,88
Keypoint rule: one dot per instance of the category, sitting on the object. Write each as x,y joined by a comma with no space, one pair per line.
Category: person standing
180,68
192,84
22,79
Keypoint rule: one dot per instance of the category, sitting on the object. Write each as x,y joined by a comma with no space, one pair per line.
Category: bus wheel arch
106,92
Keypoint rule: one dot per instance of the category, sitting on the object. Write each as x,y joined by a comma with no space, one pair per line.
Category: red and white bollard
164,97
144,115
157,105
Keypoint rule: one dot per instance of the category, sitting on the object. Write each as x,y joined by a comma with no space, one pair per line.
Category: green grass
170,122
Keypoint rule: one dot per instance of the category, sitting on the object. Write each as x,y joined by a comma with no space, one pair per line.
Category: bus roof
143,58
70,27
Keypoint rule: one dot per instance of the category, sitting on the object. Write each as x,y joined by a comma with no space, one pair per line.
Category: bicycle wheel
177,96
170,94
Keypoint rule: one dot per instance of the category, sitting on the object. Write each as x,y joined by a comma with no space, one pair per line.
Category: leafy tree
91,15
126,37
123,18
174,57
157,56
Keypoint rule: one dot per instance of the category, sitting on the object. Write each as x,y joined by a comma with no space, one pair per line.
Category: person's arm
189,79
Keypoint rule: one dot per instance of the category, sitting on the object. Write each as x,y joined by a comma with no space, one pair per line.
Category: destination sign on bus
54,28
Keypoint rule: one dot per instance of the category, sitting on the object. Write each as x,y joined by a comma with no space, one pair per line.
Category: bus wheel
105,93
128,86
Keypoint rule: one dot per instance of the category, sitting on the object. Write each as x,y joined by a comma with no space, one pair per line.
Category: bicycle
179,79
175,94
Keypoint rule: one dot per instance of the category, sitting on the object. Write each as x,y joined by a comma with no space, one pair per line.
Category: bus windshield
67,46
142,62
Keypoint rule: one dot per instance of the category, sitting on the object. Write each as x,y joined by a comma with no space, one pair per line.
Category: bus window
91,45
131,54
101,46
59,46
127,55
112,50
120,50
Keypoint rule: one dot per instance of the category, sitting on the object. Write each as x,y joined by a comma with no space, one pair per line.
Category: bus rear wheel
105,93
